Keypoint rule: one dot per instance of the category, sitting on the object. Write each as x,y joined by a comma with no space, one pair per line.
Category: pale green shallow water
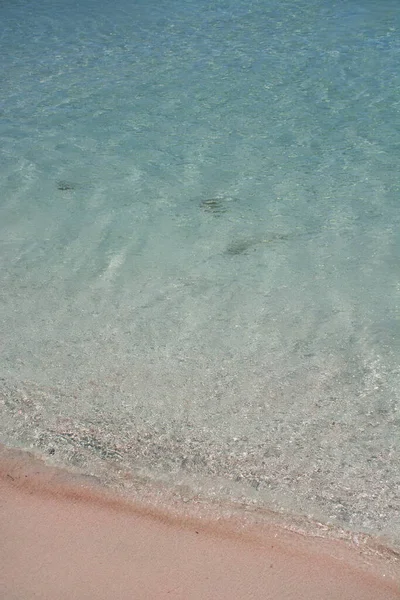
199,233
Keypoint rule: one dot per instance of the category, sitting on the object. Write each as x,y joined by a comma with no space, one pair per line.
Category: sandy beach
64,538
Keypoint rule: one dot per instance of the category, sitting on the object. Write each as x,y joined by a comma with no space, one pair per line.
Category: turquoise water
199,233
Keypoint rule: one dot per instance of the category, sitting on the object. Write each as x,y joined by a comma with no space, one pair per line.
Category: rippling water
199,233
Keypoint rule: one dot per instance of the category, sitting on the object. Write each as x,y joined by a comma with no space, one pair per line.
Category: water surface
199,235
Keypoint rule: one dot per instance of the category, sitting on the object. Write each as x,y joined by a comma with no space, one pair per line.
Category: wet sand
65,537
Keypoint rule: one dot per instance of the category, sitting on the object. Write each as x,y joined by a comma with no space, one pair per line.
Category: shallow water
200,242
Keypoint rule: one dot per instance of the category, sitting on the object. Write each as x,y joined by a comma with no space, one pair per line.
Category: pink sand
62,540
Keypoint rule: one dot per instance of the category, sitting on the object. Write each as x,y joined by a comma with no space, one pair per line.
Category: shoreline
66,535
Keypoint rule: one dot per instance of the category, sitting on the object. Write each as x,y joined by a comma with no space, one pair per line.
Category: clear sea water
200,244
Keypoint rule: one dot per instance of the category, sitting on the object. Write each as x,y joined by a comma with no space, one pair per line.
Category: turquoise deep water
200,244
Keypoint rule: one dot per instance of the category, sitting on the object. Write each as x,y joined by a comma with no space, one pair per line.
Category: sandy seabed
63,538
